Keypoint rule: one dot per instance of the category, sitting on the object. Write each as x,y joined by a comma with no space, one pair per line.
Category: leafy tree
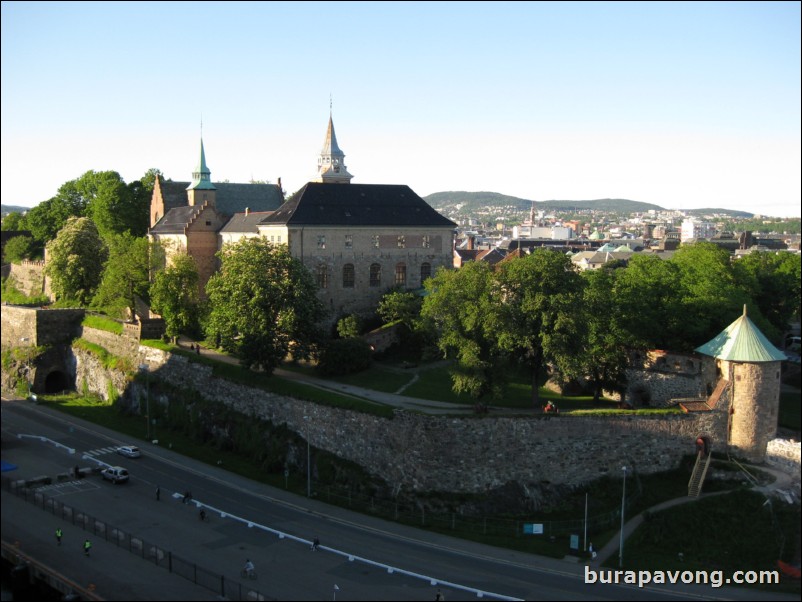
18,248
75,260
458,311
174,295
400,306
603,356
14,221
650,304
48,218
349,327
111,204
263,303
772,280
126,275
708,291
537,318
344,356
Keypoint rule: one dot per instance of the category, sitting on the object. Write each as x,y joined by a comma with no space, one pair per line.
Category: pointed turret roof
742,341
201,177
331,163
330,144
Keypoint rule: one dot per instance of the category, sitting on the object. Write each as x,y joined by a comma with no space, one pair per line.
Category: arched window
375,274
425,272
401,274
348,275
322,276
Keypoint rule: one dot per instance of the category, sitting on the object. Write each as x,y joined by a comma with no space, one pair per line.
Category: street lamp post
308,462
623,500
146,370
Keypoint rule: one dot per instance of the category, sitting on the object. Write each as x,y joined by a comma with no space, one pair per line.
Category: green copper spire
741,341
201,177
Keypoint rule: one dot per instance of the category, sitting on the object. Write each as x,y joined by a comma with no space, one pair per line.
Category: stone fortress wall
412,451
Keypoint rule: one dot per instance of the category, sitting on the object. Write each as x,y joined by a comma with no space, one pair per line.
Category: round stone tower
751,364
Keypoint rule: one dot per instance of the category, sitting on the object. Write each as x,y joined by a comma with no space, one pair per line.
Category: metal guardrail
227,588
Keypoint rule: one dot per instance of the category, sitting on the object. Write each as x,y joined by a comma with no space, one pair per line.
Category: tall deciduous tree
773,282
538,319
126,275
263,302
75,260
458,310
709,291
603,356
650,304
174,295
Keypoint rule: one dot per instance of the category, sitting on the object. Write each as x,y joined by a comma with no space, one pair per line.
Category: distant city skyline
683,105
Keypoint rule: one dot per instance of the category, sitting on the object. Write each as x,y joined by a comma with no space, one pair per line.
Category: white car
116,474
129,451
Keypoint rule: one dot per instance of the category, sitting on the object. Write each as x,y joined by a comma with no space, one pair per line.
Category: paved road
296,572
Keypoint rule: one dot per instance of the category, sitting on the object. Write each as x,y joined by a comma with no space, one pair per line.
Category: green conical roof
741,341
201,177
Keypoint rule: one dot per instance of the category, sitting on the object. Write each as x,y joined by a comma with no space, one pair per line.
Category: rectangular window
375,241
402,242
426,243
321,241
349,241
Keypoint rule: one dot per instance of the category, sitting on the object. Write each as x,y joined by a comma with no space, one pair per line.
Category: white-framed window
375,241
426,242
402,242
349,241
321,241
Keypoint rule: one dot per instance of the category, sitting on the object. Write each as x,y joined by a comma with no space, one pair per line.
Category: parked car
129,451
115,474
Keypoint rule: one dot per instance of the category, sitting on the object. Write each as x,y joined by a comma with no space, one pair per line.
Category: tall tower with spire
331,163
201,190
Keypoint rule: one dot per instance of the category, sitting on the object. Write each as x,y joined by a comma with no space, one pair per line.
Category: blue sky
684,105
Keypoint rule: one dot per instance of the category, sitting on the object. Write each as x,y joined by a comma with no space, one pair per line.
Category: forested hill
473,201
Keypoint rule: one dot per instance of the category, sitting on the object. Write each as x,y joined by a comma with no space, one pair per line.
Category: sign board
575,542
533,528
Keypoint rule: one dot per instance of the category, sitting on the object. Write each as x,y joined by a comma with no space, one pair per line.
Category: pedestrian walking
591,550
439,597
58,536
158,493
315,544
87,547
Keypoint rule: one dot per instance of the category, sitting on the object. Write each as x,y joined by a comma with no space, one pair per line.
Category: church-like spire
331,163
201,177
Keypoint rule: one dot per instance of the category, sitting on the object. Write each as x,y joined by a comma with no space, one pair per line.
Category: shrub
344,356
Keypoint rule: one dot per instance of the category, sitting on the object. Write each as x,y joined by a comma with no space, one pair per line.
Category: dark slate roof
245,223
175,220
327,204
229,199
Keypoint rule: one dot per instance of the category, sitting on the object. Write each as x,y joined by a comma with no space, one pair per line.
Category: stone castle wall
30,326
468,454
29,277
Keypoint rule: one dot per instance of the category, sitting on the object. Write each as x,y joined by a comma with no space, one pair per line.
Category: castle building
358,240
187,217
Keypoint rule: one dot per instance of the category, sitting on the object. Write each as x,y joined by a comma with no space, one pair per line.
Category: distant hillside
719,211
6,209
473,201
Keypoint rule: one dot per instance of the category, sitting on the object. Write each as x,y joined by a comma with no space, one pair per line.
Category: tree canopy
75,260
263,304
174,295
126,274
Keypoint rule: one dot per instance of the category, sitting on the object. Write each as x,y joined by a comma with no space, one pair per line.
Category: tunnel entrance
56,382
